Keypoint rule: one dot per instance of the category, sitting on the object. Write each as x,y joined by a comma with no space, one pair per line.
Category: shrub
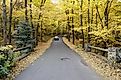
7,58
23,36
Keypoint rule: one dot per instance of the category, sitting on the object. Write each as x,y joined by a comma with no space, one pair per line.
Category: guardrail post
112,53
87,48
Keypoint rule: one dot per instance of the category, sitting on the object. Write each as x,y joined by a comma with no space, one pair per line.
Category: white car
56,38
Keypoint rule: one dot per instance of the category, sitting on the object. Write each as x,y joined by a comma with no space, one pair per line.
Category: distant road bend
59,63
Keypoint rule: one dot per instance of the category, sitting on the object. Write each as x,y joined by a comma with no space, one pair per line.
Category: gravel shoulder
99,65
24,63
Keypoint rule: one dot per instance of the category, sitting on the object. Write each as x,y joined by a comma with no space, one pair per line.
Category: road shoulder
24,63
100,66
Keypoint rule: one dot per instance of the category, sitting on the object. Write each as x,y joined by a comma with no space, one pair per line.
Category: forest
24,23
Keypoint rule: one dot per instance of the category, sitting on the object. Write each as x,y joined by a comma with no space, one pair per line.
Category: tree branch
99,16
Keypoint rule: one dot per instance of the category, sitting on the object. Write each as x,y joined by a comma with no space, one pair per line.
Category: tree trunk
38,25
31,17
96,19
106,22
98,14
88,21
30,11
81,18
96,22
68,25
26,12
41,30
4,16
92,12
40,16
37,33
106,14
1,26
73,37
10,20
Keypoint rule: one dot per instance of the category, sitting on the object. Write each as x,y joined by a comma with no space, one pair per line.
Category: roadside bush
7,58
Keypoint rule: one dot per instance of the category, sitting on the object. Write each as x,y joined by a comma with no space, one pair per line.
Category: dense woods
97,22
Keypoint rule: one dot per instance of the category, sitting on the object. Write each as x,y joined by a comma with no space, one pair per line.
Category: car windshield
56,37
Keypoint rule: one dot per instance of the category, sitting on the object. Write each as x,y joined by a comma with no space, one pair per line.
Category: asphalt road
59,63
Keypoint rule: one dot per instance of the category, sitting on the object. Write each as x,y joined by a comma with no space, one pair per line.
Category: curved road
58,63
